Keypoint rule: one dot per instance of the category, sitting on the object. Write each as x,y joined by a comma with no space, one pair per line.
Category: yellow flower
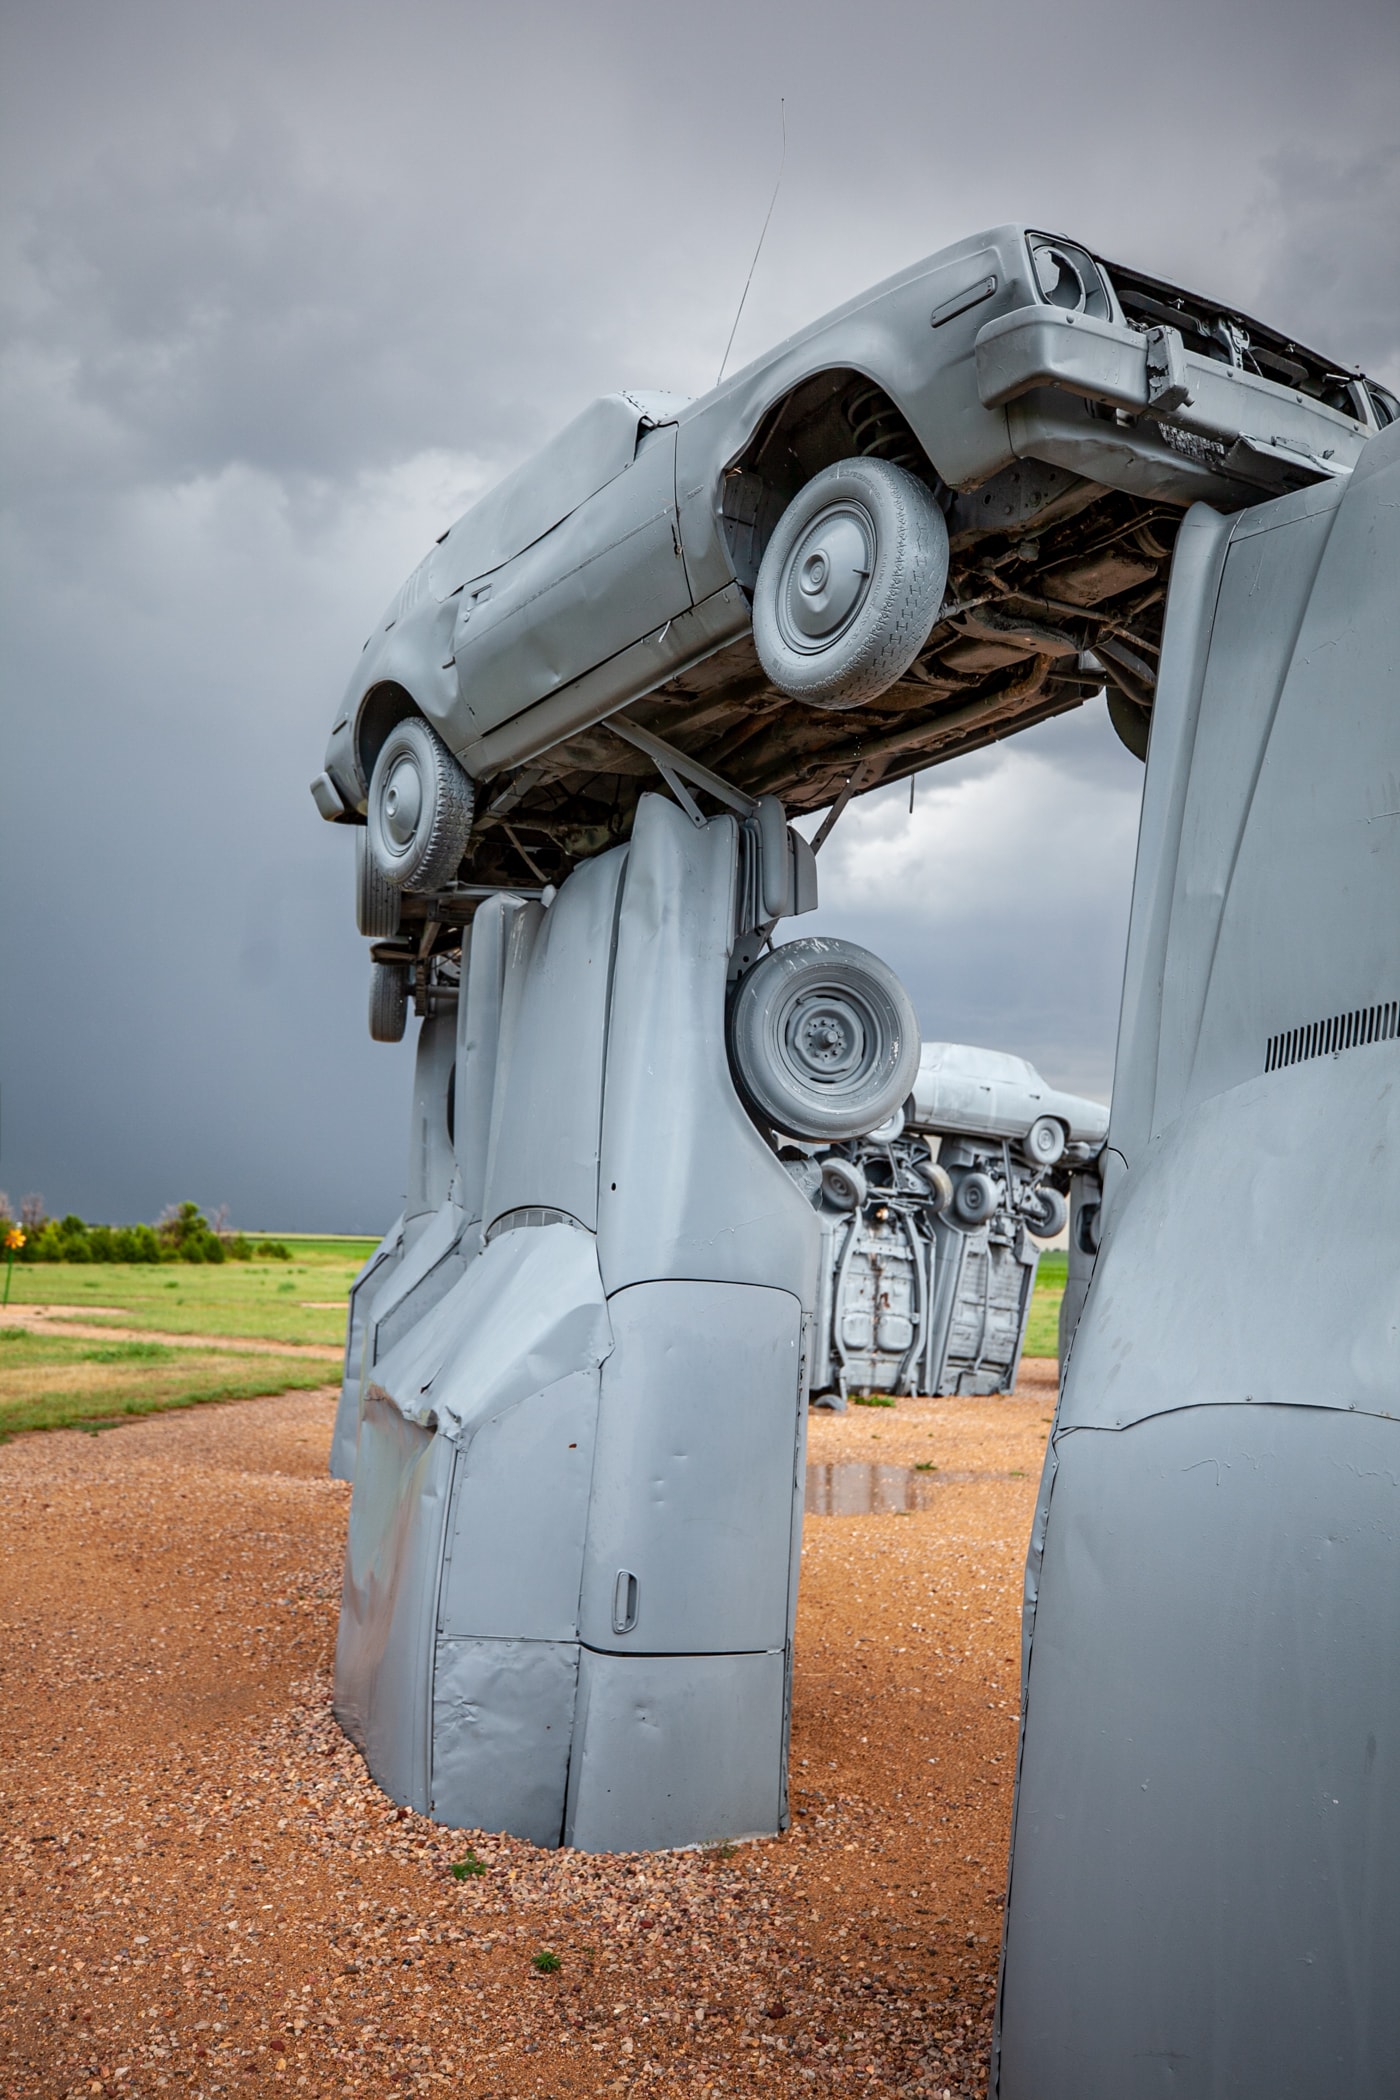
14,1239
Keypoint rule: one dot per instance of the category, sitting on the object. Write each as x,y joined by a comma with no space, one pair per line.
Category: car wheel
376,901
1046,1214
844,1184
388,1001
823,1040
975,1198
420,808
940,1184
850,583
1044,1142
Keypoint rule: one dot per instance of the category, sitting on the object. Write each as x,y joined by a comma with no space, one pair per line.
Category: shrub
46,1244
273,1250
185,1234
135,1243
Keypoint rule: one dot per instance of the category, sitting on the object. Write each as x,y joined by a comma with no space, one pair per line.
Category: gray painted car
941,512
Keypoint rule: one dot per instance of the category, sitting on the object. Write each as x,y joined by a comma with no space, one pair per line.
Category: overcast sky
286,284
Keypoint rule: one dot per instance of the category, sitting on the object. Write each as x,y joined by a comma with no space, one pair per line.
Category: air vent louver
1365,1024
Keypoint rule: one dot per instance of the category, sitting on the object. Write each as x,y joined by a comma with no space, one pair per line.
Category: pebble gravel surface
203,1893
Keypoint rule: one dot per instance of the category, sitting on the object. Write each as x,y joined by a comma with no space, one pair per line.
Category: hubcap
826,577
403,803
827,1038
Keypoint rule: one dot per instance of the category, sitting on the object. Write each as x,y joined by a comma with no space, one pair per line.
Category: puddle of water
858,1489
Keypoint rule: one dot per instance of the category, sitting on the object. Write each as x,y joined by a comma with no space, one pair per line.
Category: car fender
913,336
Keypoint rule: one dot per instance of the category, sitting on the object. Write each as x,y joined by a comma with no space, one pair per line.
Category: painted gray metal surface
914,1299
1202,1895
576,1370
962,1091
578,1428
625,552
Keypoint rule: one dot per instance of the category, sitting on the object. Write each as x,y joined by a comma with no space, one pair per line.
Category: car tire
850,583
376,901
420,808
974,1199
1046,1214
388,1001
940,1183
823,1040
844,1185
1044,1142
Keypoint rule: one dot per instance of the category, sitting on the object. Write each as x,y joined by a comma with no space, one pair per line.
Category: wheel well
382,707
829,417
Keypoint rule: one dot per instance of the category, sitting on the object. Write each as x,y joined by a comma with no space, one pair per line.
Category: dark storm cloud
285,286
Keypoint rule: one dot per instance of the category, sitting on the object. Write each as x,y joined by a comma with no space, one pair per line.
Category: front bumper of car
1252,429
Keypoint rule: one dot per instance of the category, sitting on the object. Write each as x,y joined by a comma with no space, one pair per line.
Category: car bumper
1266,431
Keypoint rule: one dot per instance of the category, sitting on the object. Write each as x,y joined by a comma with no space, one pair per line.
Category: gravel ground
205,1894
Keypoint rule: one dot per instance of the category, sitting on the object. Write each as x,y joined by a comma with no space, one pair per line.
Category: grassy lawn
56,1382
301,1300
1042,1335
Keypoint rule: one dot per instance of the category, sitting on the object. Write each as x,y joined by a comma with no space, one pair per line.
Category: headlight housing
1068,277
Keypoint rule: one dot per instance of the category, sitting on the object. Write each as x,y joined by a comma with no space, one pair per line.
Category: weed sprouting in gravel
463,1869
546,1962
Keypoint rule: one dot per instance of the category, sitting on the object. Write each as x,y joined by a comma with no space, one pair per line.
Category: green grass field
1042,1335
301,1300
50,1381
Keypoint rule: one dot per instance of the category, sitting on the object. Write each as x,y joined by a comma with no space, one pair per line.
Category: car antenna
782,161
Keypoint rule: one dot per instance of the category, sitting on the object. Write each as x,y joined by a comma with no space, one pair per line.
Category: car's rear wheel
388,1001
823,1040
376,901
1044,1142
850,583
420,808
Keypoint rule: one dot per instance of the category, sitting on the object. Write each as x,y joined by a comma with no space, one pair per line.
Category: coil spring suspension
880,431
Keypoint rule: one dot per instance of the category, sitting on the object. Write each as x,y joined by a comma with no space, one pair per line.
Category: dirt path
60,1319
203,1893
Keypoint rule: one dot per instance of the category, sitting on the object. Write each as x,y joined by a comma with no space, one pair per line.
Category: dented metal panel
503,1719
702,1401
388,1604
529,1311
375,1272
585,457
546,1151
677,1750
519,1515
711,1202
1202,1891
598,582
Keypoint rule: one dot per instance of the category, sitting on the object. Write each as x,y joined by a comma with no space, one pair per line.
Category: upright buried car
944,511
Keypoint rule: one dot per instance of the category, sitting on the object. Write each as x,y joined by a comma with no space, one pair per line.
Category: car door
605,576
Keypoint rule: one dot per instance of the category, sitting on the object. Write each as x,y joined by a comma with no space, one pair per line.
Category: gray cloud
286,285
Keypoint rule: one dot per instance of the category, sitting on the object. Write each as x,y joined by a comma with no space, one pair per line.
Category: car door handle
624,1601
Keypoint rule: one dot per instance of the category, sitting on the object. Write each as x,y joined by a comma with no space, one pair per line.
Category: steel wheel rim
825,579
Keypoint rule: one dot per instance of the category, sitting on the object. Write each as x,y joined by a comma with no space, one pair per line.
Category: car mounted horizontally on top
945,511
